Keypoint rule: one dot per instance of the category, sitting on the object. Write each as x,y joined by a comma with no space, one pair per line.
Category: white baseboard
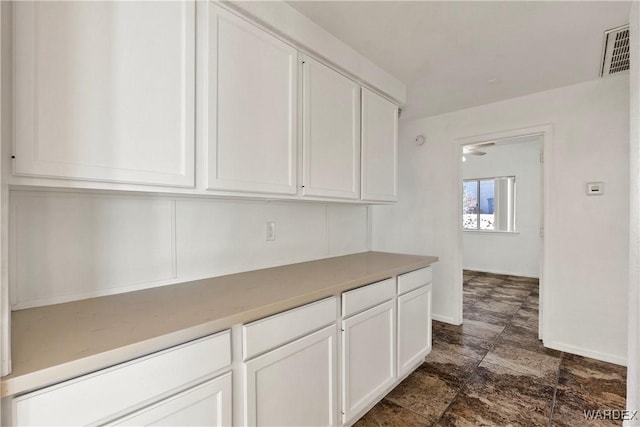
605,357
445,319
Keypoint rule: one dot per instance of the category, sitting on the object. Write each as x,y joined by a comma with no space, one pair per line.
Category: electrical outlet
271,231
595,188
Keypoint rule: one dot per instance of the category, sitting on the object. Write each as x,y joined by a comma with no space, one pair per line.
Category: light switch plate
271,231
595,188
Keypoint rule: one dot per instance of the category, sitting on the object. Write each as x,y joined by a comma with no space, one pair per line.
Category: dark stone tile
526,339
491,304
473,288
509,295
388,414
507,359
526,317
570,406
482,315
440,328
508,286
487,280
517,394
493,369
599,383
454,363
475,293
511,291
423,393
458,339
454,373
474,328
520,279
468,303
482,411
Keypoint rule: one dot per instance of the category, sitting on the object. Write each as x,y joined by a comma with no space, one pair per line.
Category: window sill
511,233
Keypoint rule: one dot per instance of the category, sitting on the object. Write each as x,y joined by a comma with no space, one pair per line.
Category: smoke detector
615,53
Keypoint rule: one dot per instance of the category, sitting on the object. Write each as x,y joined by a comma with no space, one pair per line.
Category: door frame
546,132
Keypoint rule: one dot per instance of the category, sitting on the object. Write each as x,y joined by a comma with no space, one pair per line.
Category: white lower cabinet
368,357
294,385
414,328
290,370
207,404
285,367
113,393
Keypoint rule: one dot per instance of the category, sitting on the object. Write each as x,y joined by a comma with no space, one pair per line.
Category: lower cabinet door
207,404
414,328
295,384
368,357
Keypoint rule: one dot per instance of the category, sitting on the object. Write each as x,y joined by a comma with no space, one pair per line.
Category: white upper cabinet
379,148
251,117
331,133
105,91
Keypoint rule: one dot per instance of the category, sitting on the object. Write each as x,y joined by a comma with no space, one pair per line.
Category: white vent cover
616,51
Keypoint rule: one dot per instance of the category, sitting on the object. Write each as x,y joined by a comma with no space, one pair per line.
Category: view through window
489,204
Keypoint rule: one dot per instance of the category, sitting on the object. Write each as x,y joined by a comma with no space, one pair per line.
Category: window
488,204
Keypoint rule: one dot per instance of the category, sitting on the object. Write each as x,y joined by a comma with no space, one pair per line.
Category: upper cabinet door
251,118
379,148
331,133
105,91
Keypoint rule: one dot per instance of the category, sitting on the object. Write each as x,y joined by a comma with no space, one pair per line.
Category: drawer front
410,281
368,296
105,394
266,334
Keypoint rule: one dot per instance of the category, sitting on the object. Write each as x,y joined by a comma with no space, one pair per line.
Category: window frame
513,195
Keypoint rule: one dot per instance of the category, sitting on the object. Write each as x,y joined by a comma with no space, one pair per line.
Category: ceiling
460,54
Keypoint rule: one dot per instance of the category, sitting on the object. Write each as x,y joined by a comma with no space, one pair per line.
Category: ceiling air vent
616,51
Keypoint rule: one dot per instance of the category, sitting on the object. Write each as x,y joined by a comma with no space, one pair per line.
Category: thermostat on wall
595,188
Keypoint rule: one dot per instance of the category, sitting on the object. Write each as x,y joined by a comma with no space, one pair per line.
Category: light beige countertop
57,342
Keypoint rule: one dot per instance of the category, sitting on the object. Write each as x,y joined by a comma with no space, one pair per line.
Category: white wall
67,246
633,367
508,253
587,237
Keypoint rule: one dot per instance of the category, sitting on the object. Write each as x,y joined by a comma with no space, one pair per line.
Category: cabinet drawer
413,280
100,396
271,332
368,296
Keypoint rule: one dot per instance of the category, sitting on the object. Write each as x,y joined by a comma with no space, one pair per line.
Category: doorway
502,212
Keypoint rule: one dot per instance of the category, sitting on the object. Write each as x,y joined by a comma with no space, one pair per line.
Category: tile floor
493,371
